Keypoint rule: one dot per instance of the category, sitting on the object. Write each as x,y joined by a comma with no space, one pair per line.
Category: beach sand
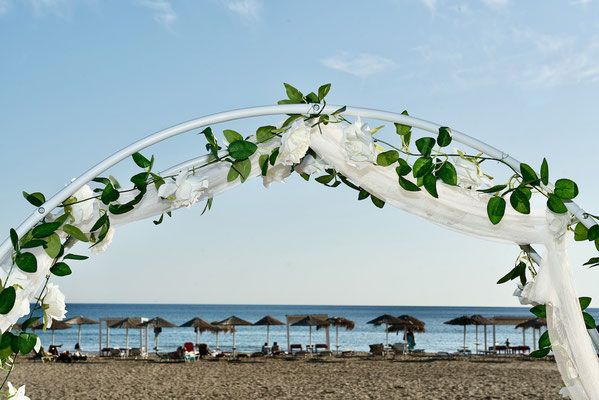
423,377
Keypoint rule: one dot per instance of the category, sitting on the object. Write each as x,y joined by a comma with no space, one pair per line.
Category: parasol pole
79,335
197,336
127,341
386,334
476,341
267,334
523,336
52,337
337,338
534,339
464,347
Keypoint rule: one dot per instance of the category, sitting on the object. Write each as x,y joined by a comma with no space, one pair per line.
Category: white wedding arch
313,147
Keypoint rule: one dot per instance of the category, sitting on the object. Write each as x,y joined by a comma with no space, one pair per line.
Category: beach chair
376,350
190,348
297,347
203,349
399,348
323,347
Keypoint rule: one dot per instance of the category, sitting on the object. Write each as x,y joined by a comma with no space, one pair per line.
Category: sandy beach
424,377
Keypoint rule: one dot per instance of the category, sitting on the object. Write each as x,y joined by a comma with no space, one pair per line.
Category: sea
438,336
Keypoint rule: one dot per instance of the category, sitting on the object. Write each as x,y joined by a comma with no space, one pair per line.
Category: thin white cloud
575,68
496,3
163,11
430,4
4,6
360,65
545,44
249,9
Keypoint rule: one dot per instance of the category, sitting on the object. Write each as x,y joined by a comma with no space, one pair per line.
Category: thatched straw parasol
387,320
158,323
311,321
268,321
340,322
234,321
463,321
534,324
55,326
199,326
80,320
409,324
128,323
223,329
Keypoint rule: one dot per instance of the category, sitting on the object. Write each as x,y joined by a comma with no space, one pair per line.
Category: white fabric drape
456,208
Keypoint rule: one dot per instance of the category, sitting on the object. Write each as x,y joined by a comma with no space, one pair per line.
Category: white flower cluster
185,190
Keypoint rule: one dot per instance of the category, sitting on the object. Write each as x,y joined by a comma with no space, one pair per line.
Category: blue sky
82,79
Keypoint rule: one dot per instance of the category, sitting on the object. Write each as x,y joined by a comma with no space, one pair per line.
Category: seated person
65,356
276,349
53,349
265,349
78,356
179,353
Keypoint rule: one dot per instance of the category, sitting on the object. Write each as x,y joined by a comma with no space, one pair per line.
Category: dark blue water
438,336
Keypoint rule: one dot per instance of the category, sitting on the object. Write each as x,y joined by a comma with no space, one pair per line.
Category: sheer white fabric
456,208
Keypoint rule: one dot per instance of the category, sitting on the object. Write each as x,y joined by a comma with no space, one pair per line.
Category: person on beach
276,349
411,340
507,342
265,349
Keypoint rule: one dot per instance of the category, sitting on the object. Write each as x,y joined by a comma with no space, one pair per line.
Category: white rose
54,305
19,309
276,173
558,223
104,243
294,143
82,212
311,165
564,392
469,174
16,394
185,191
359,145
522,293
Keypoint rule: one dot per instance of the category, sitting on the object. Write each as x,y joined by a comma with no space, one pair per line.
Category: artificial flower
185,190
311,165
558,223
470,174
16,394
81,212
53,304
104,243
18,310
294,143
38,344
358,144
564,392
276,173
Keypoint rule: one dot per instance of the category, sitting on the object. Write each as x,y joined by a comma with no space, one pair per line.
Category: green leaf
294,95
14,344
556,204
408,185
75,257
589,320
425,145
445,136
540,353
323,91
263,163
118,209
324,179
493,189
36,199
593,233
61,269
7,299
28,322
140,160
53,245
27,342
540,311
14,238
581,232
33,243
265,133
404,168
422,166
519,201
545,172
232,136
584,302
140,180
377,202
430,184
387,158
403,130
273,156
312,98
233,174
448,174
339,110
363,194
593,262
242,149
544,340
528,174
496,209
26,262
513,274
566,189
5,349
244,167
207,207
100,222
75,232
46,229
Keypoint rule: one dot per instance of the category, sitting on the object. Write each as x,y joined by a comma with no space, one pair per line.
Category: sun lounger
399,348
376,350
321,347
297,347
